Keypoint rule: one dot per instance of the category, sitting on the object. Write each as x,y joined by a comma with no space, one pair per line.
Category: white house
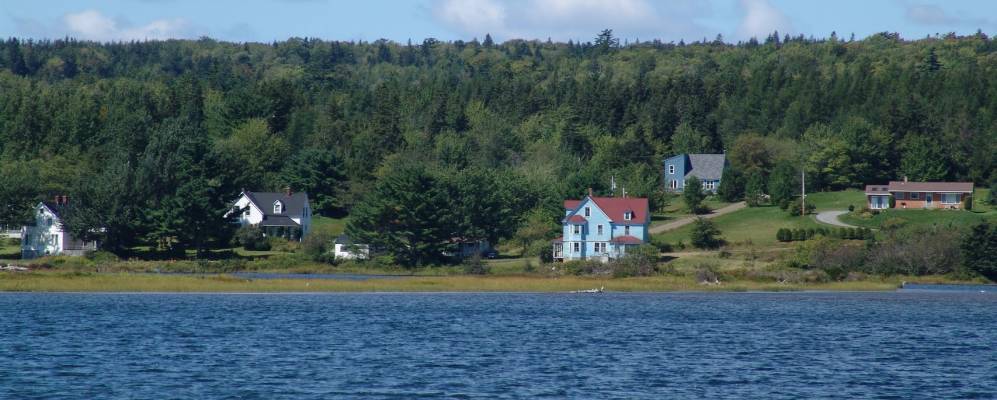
277,213
47,236
345,249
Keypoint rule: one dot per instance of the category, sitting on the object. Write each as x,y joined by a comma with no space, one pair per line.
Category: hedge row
794,235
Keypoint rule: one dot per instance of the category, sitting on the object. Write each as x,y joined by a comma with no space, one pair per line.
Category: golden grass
71,282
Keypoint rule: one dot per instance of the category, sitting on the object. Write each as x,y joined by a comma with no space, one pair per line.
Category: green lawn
676,209
760,224
981,198
826,201
9,250
919,217
755,224
330,226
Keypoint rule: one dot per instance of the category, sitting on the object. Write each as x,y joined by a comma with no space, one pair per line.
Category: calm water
794,345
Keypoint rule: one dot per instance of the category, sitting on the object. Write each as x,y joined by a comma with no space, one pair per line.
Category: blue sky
669,20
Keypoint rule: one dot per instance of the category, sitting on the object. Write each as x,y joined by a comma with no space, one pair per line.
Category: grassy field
330,226
676,209
758,225
752,225
76,282
918,217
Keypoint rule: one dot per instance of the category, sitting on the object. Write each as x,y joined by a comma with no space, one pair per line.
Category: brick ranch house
917,195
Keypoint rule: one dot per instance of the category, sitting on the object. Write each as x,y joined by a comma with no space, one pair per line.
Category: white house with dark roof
277,213
48,237
708,168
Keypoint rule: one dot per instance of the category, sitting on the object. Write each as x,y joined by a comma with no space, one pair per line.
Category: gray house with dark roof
708,168
285,213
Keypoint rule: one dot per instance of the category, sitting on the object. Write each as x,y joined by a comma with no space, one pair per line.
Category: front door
927,200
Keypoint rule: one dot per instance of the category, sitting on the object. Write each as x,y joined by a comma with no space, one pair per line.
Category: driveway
831,218
688,220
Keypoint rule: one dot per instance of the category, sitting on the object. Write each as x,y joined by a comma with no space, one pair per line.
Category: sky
560,20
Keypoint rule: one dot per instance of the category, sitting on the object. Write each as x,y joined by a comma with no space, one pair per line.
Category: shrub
317,246
967,202
706,273
251,238
474,265
639,261
783,235
694,196
662,245
705,235
283,245
795,209
851,208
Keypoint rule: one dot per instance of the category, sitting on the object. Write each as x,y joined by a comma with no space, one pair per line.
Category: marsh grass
125,282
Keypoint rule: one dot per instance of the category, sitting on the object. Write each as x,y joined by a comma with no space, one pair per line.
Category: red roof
957,187
626,240
614,207
577,219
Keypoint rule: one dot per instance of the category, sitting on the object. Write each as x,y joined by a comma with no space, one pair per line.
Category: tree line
151,140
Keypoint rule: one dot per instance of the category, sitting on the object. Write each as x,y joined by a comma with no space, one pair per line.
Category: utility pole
803,193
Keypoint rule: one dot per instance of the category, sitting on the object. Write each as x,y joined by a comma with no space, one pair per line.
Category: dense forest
152,140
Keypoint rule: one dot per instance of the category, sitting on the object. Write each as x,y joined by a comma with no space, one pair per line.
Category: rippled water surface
792,345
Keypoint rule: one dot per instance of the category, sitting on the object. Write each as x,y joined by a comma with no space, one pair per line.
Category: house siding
680,165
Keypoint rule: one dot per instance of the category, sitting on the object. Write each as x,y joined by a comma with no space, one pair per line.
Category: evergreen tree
693,195
979,250
408,215
319,173
731,186
705,235
753,190
782,184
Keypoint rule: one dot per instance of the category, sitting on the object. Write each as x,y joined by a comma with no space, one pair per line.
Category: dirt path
688,220
831,218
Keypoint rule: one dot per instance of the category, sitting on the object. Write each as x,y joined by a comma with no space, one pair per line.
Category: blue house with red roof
602,228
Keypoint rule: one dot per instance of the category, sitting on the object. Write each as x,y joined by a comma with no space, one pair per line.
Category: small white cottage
345,249
47,237
285,214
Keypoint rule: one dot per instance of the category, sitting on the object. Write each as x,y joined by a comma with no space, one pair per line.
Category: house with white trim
48,236
602,228
279,214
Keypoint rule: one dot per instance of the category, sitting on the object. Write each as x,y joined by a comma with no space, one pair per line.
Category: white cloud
930,14
473,15
761,18
92,25
573,19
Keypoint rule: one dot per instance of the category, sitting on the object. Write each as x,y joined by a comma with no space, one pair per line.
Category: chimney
590,192
905,178
287,191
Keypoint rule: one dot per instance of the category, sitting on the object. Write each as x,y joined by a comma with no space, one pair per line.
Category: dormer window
629,215
671,169
588,212
278,207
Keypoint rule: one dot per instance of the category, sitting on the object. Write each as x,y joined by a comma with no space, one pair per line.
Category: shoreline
74,282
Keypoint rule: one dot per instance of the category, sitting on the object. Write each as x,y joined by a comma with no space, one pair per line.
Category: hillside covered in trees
152,140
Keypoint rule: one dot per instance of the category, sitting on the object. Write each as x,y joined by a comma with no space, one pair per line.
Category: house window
674,184
628,215
915,196
278,207
899,195
626,230
598,228
578,229
588,212
709,185
600,247
577,247
671,169
950,198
